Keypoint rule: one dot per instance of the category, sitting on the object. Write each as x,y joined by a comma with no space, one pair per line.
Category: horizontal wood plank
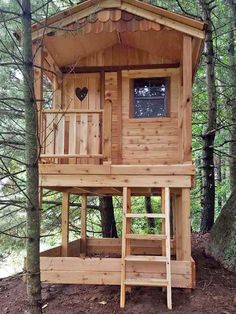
106,271
115,181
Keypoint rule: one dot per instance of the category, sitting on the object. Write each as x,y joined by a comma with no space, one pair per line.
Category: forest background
214,136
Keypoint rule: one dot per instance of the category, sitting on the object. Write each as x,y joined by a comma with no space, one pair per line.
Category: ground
215,293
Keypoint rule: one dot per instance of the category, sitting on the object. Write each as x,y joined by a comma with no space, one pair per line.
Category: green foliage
12,214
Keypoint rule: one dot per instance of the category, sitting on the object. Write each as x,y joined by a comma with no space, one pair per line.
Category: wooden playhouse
119,124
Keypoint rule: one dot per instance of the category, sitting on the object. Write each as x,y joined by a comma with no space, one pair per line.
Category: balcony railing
76,134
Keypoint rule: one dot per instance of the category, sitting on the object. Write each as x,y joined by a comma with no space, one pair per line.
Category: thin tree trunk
218,162
148,207
108,218
208,211
232,63
31,159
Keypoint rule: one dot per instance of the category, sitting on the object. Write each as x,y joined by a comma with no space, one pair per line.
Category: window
150,97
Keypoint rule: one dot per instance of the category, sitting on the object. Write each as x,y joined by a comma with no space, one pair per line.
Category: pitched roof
86,10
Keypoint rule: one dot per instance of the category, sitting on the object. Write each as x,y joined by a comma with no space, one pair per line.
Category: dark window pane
150,97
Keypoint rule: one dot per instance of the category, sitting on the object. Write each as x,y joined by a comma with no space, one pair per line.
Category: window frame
167,100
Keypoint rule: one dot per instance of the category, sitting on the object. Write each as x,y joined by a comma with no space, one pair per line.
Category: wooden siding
150,141
107,271
119,55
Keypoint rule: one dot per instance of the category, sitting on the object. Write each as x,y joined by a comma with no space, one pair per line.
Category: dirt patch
215,293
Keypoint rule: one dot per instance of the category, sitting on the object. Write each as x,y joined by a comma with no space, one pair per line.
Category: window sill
151,120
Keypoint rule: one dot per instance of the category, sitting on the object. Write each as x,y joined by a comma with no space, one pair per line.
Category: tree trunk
208,211
108,218
31,159
218,162
148,207
232,64
222,241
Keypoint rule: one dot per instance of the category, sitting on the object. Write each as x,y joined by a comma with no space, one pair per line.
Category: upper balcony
76,136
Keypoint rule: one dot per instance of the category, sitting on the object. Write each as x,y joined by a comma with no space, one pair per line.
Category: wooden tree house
119,124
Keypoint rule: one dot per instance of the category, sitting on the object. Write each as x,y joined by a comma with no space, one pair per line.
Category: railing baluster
107,123
95,135
72,134
49,139
84,134
60,139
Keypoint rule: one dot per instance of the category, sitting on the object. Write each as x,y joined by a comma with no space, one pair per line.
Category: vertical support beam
186,226
187,98
83,219
125,245
107,124
119,115
57,91
163,231
65,224
168,254
178,227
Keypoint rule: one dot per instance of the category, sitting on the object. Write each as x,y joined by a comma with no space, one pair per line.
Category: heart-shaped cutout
81,93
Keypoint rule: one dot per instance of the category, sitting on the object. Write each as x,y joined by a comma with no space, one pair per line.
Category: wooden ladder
127,236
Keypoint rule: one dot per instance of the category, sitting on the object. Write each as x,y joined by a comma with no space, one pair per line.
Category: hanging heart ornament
81,93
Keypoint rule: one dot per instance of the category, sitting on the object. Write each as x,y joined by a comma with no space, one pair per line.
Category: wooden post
187,98
83,225
65,224
178,226
125,244
163,231
107,124
186,225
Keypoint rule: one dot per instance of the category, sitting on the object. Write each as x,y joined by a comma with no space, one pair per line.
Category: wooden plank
168,250
109,246
107,129
115,181
155,237
119,116
70,156
178,226
148,282
74,169
126,195
84,134
145,215
163,223
187,98
117,68
72,134
83,227
95,134
145,258
69,111
75,270
163,20
65,224
143,73
60,136
180,169
186,225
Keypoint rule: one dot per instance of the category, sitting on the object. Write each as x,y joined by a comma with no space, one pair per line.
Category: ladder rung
146,282
158,237
144,215
145,258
